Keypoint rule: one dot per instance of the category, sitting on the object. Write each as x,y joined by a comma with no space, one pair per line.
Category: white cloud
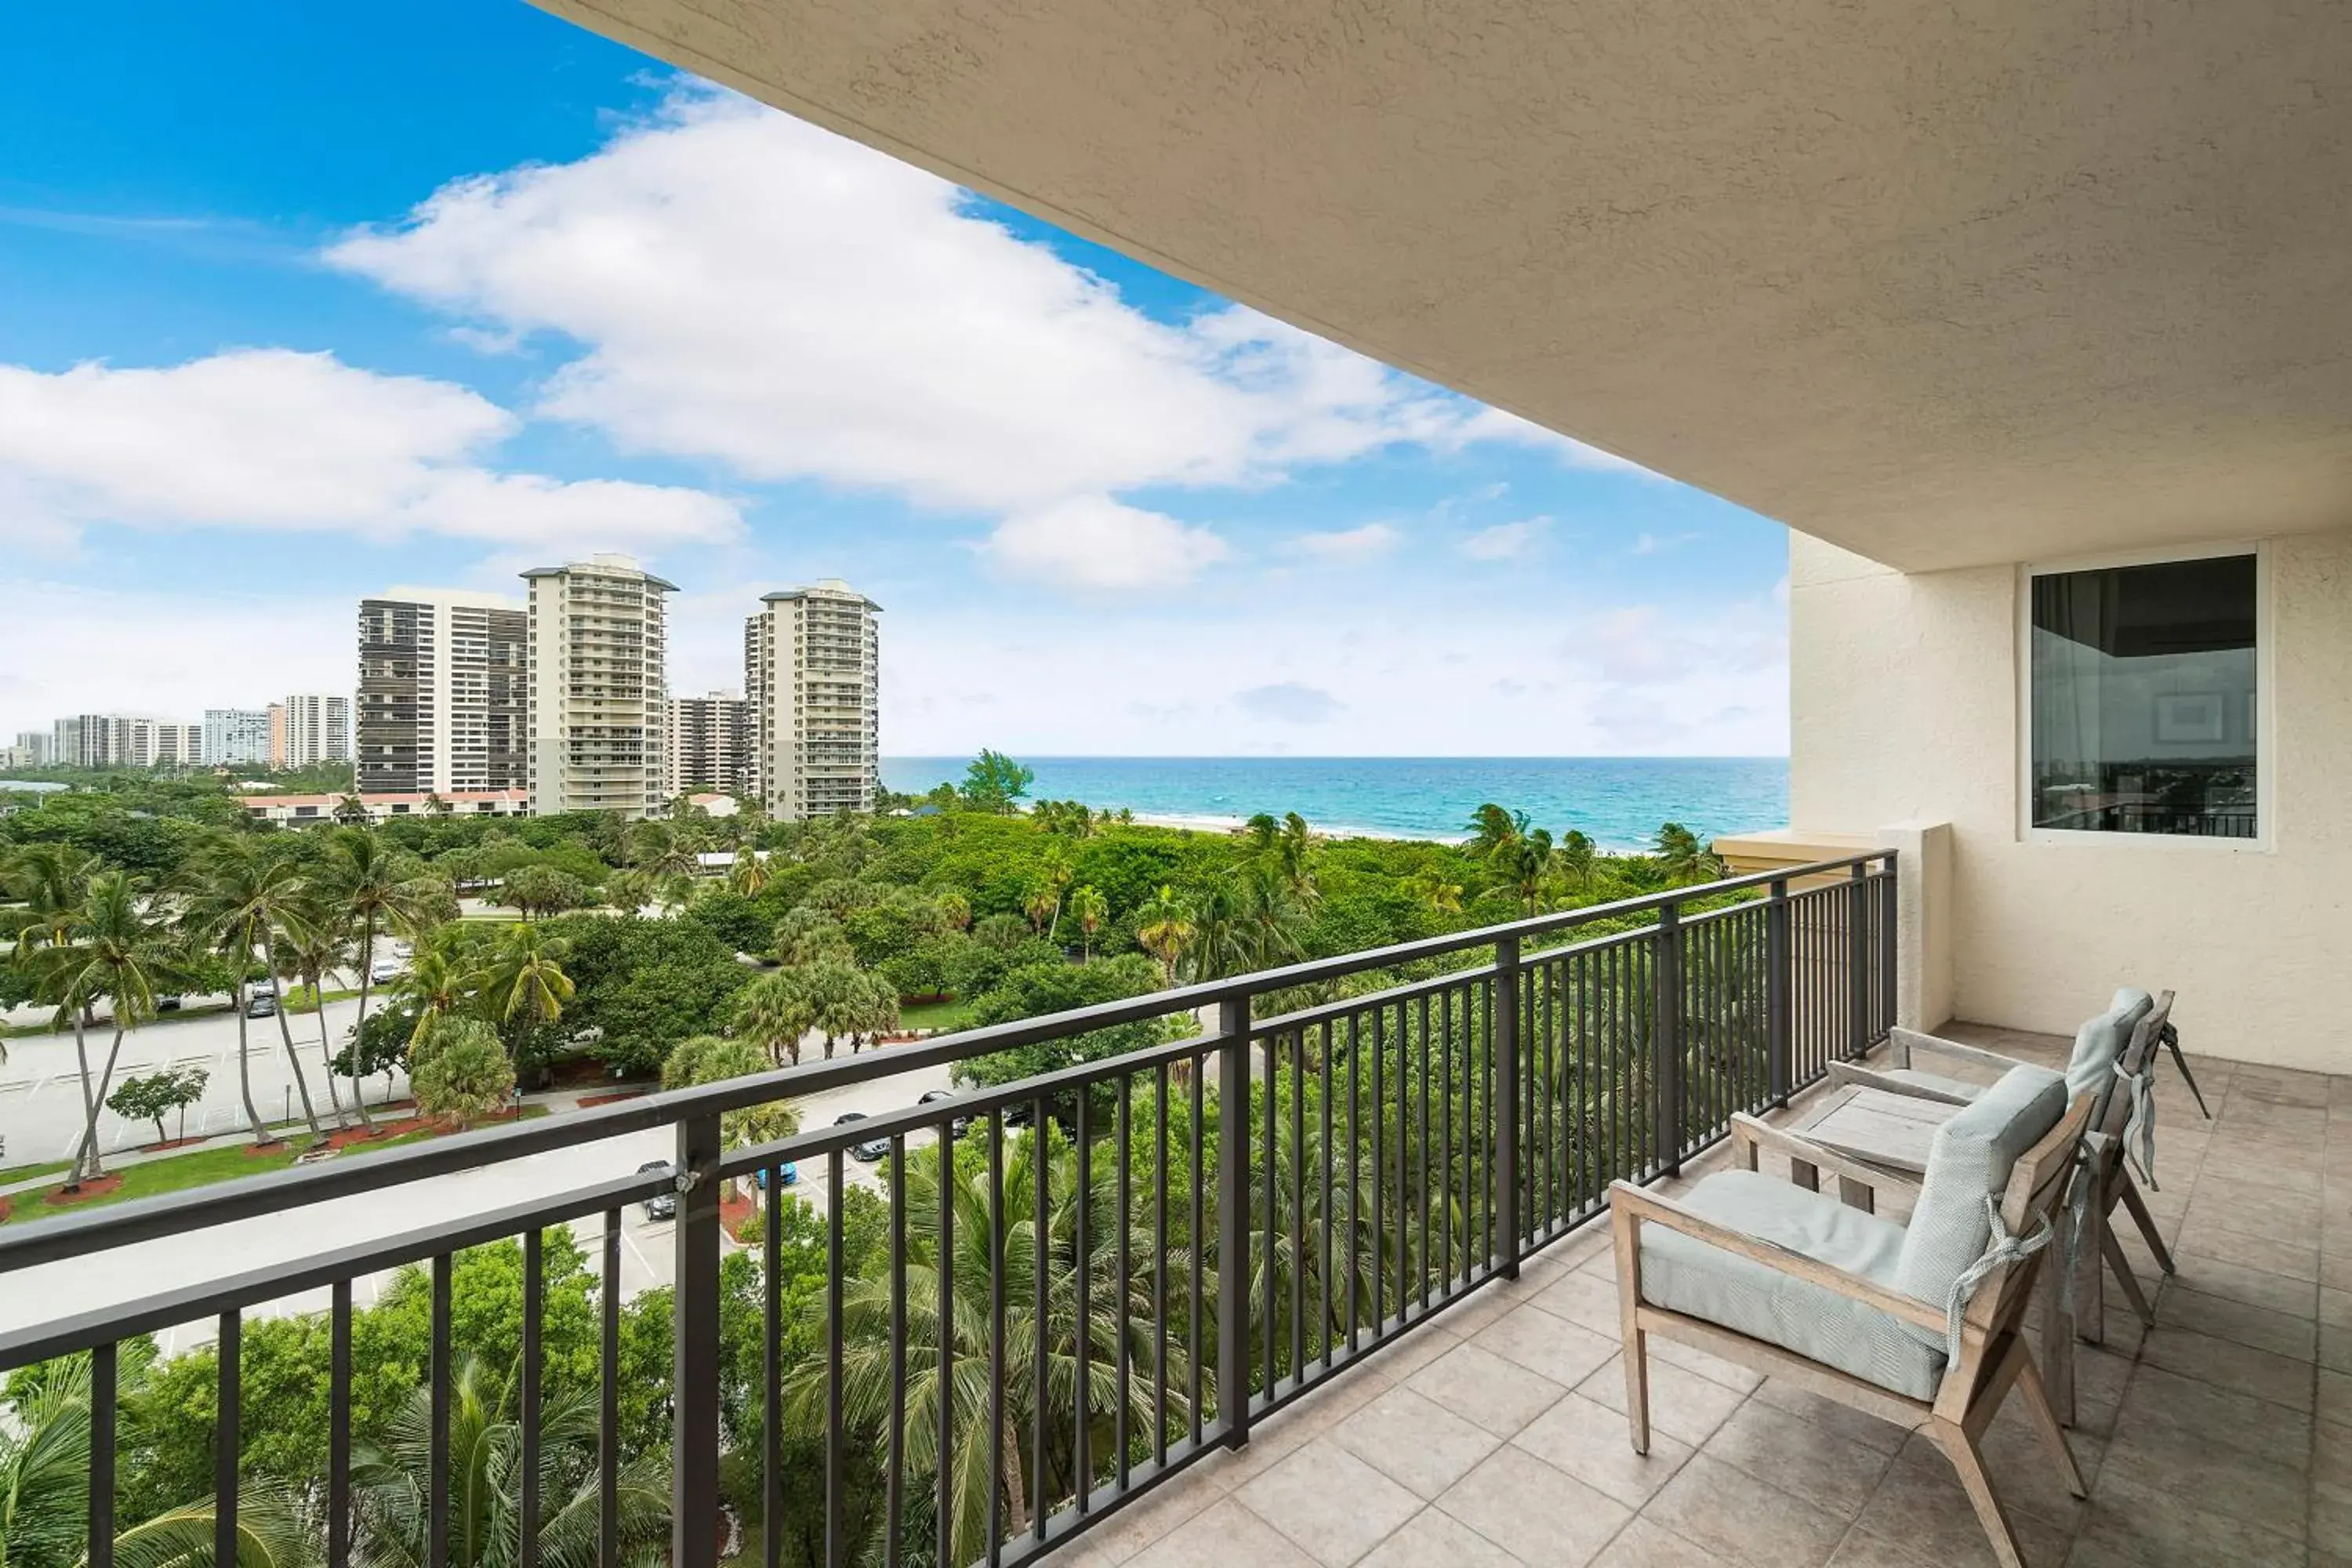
1506,541
1648,543
1096,544
1289,702
746,288
1347,547
1495,424
72,649
270,440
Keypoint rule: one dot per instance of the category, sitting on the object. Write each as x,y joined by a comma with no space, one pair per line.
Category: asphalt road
40,1084
101,1279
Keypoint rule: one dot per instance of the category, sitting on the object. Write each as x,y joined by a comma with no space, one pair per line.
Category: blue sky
302,302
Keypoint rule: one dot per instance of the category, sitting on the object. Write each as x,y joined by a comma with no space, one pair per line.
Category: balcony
1342,1297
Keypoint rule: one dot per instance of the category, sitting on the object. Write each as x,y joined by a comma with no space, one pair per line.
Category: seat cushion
1959,1088
2100,1042
1969,1159
1685,1275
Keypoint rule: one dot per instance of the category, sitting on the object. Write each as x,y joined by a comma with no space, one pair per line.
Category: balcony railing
1193,1233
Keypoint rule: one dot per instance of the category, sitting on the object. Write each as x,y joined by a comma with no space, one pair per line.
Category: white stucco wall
1904,709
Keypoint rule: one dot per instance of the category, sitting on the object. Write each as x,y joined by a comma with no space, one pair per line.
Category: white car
385,970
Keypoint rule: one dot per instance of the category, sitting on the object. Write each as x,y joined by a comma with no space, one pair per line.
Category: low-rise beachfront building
296,809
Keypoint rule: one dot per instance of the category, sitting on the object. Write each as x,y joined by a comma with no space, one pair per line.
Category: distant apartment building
277,757
810,662
236,735
710,743
318,729
599,687
444,692
32,748
125,741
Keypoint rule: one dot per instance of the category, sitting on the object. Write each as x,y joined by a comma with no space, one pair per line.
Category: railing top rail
103,1229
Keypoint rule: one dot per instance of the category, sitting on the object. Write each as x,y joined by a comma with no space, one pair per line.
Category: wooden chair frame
1992,1359
2110,1113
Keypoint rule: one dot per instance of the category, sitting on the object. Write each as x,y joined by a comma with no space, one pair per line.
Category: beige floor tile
1920,1504
1136,1526
2335,1346
1414,1441
1542,1516
2234,1282
1713,1368
1225,1536
2126,1522
1843,1420
2297,1257
1584,1297
1432,1539
1861,1549
2335,1396
1330,1504
2261,1327
1642,1544
1798,1458
2228,1365
1591,1443
1733,1514
1681,1404
1475,1382
1276,1438
2335,1307
2192,1411
2208,1477
1551,1346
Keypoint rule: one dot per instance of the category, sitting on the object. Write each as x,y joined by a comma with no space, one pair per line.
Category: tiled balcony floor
1492,1437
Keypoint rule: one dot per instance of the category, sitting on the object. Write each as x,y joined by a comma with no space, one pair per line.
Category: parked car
261,1004
662,1205
791,1175
960,1125
384,971
872,1149
168,1003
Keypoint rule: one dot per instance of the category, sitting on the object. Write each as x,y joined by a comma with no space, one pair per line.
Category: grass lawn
302,999
953,1014
199,1168
26,1172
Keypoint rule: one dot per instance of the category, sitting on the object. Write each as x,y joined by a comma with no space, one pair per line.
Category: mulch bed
736,1212
86,1191
348,1136
169,1143
262,1150
589,1101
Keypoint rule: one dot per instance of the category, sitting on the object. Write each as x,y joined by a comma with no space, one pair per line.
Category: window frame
2265,838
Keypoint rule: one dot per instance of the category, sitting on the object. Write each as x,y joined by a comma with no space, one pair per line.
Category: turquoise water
1619,801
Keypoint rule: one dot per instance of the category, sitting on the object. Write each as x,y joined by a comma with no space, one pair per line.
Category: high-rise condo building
34,745
318,729
599,681
278,734
444,694
711,742
125,741
810,658
236,735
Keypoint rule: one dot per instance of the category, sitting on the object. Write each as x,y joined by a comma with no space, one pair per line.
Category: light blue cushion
2100,1042
1685,1275
1969,1159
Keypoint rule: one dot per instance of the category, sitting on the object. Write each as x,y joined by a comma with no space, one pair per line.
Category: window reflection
2144,699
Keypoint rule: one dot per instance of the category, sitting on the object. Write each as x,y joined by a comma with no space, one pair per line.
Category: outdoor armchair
1918,1324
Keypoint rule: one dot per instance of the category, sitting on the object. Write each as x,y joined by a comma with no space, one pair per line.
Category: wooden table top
1895,1130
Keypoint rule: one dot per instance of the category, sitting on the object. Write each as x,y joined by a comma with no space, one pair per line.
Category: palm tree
524,978
1436,894
628,891
437,985
1529,866
1491,828
1115,1310
277,1526
351,810
775,1012
45,1465
314,947
114,949
1578,858
1164,929
237,901
1089,908
955,910
1684,857
663,851
50,882
392,1486
806,936
1042,903
750,876
376,888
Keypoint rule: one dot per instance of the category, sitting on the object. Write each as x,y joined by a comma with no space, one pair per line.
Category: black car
664,1203
872,1149
960,1125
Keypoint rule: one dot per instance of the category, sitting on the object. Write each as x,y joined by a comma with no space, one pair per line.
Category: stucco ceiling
1944,283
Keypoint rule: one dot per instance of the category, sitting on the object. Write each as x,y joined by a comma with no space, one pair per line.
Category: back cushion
2102,1039
1971,1158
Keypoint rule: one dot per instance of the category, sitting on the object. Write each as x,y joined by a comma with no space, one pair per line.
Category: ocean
1619,801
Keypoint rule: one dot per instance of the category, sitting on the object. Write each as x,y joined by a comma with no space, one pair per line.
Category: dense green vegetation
820,936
